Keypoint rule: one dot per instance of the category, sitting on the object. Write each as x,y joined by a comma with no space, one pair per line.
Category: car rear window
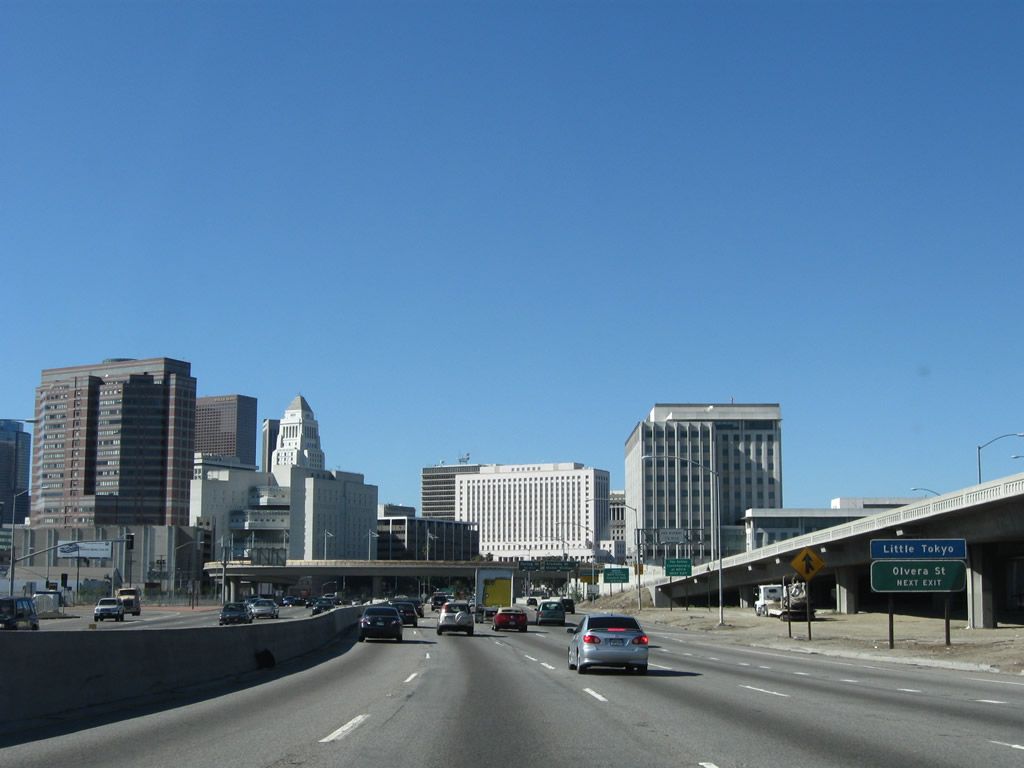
380,612
456,607
613,622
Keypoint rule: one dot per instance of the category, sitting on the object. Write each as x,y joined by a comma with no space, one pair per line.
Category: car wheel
571,665
641,669
361,639
469,631
399,638
439,631
522,628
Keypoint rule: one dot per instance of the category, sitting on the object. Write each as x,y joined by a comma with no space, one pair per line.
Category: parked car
235,613
608,640
380,621
509,618
455,616
263,609
569,605
108,608
18,613
321,605
551,612
407,611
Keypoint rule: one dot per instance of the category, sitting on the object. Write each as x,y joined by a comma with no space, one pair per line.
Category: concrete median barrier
49,673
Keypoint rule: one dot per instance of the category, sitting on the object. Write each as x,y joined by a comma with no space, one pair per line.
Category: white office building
688,463
528,511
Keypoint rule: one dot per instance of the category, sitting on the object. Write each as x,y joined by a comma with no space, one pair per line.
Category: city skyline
508,230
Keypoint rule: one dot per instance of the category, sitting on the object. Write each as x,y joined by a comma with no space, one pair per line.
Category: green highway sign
616,575
918,576
679,566
528,565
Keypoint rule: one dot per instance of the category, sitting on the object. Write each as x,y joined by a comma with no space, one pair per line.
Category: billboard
99,550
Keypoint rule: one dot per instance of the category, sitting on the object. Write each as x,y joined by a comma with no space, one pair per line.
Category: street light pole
636,554
326,534
716,511
370,536
983,445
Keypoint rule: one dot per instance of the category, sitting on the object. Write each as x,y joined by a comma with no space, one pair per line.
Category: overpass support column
847,599
980,587
378,586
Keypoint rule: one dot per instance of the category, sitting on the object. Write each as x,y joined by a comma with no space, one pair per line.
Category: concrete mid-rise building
226,426
297,511
527,511
113,444
687,463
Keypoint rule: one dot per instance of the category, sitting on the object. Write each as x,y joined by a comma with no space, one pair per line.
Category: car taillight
641,640
592,639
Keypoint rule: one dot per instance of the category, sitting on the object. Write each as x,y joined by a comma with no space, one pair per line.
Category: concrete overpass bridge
237,574
990,516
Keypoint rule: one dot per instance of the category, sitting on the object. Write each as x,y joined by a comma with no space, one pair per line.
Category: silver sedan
608,640
263,609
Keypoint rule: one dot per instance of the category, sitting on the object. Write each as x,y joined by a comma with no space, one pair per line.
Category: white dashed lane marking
762,690
546,666
347,728
410,678
595,694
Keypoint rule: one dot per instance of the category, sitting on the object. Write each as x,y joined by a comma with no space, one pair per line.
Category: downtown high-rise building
114,443
226,426
15,462
687,463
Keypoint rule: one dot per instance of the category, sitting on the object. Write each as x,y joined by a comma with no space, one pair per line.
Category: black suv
18,613
569,604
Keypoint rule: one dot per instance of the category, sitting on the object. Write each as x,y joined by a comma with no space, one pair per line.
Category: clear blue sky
509,229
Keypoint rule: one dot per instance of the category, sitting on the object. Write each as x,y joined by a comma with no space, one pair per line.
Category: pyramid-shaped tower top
299,404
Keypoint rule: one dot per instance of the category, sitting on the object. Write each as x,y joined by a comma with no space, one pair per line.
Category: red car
509,618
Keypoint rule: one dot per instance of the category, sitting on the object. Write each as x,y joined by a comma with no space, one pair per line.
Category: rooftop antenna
464,458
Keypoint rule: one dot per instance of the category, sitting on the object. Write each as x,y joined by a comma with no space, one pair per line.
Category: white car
455,616
108,608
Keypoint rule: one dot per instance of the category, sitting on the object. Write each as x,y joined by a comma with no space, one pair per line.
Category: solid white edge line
908,690
1007,744
410,678
350,725
989,701
762,690
595,694
987,680
659,666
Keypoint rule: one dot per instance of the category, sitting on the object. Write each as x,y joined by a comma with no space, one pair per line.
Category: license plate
616,641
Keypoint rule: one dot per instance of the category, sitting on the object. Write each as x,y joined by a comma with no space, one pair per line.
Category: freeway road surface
509,698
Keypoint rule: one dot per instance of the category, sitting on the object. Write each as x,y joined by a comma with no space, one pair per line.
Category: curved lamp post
716,510
983,445
636,554
926,490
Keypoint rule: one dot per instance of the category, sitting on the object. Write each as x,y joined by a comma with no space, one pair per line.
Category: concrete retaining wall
46,673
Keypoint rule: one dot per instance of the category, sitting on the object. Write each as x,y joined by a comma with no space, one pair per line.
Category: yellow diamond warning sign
807,563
